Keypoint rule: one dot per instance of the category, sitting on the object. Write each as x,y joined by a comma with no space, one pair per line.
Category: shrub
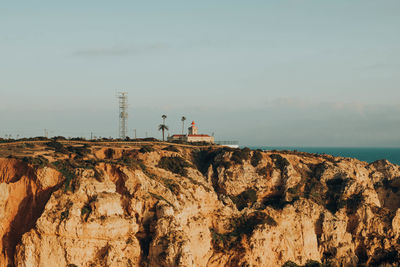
172,186
149,139
174,164
280,200
313,189
67,171
313,263
109,153
78,139
264,171
290,264
221,242
243,199
130,162
203,159
29,145
382,257
85,164
80,150
354,202
280,162
240,154
215,157
64,215
244,225
318,169
87,208
223,163
387,184
37,138
55,138
58,147
270,221
276,202
146,149
86,211
309,263
38,162
171,148
336,187
256,158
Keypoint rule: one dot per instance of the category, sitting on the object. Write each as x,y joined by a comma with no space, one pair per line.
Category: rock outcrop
176,206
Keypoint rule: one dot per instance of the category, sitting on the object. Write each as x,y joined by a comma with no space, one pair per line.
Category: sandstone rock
289,207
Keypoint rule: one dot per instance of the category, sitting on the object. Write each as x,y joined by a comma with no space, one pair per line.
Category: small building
192,136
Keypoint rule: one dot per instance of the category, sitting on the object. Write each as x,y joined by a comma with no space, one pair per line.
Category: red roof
191,135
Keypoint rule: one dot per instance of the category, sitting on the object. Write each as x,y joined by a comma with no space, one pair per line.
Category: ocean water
365,154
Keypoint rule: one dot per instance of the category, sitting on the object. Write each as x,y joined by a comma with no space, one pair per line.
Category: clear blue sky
262,72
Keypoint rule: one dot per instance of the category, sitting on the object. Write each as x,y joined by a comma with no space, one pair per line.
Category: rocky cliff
97,205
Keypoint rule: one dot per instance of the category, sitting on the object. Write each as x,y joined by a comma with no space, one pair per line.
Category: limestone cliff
176,206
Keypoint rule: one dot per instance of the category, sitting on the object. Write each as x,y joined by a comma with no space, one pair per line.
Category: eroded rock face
23,195
229,208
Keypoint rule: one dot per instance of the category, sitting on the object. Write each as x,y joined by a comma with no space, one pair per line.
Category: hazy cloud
379,66
119,51
303,104
289,102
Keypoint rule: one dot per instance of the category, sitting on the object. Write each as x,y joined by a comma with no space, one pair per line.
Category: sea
365,154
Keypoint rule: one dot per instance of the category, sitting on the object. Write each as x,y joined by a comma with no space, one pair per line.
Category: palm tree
163,128
183,123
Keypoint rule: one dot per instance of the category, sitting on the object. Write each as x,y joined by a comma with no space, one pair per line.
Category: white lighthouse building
192,136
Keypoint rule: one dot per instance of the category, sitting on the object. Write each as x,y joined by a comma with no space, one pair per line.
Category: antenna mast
123,114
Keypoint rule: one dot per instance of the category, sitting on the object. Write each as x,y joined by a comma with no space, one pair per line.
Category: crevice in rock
352,224
361,253
318,227
145,237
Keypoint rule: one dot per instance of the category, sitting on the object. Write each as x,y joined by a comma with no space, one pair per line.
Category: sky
273,73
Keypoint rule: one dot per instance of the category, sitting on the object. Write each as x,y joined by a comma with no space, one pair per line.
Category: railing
224,143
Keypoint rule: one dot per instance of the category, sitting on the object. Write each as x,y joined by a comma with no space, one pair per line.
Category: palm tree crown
183,123
163,128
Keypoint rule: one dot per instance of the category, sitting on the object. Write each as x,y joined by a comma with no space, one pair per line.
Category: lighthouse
193,130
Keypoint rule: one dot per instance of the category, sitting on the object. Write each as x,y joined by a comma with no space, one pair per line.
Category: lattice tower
123,114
